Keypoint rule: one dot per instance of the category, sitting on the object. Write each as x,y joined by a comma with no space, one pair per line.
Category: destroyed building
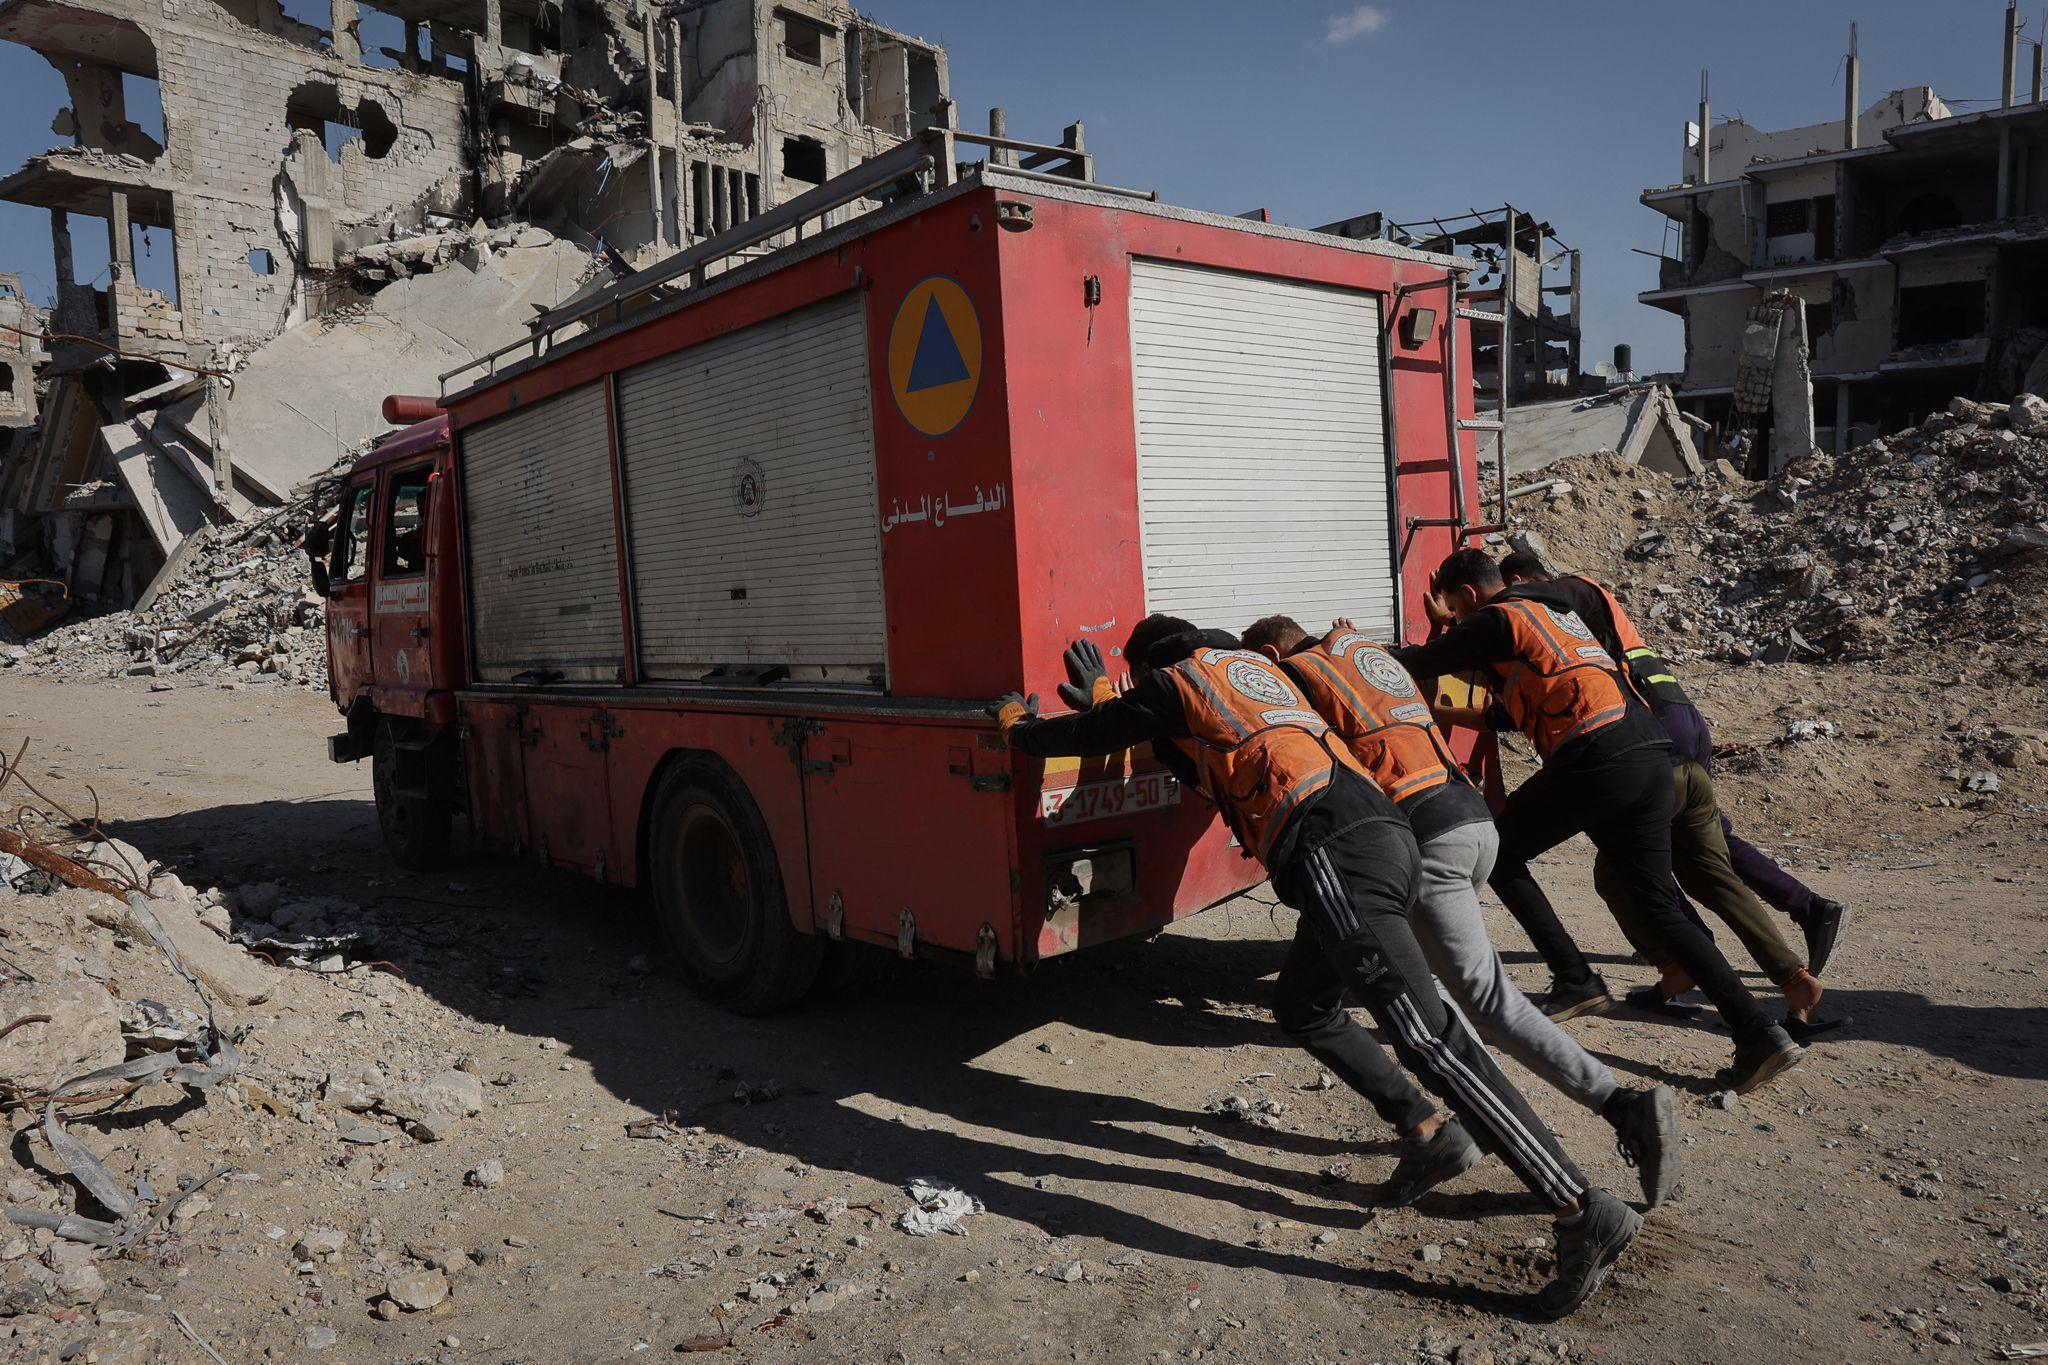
1524,296
302,169
1914,237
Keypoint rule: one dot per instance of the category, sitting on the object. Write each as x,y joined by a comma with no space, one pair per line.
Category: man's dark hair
1149,632
1470,568
1271,631
1524,564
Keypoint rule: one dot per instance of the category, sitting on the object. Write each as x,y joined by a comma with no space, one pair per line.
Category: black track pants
1624,804
1353,893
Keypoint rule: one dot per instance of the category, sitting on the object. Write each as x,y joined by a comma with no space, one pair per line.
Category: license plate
1102,800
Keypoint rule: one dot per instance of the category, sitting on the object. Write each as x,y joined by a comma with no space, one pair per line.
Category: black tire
718,892
415,828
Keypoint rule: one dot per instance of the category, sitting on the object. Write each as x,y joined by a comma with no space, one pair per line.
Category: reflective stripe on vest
1561,683
1375,707
1260,750
1647,674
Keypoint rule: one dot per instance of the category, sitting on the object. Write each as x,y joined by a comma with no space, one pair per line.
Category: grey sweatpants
1452,931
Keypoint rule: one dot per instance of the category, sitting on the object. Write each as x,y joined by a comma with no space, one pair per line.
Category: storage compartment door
1262,459
750,503
540,529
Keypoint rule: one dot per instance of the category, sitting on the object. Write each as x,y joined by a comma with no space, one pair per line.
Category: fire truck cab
705,586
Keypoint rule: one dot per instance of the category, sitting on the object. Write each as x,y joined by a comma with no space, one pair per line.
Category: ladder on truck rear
1488,421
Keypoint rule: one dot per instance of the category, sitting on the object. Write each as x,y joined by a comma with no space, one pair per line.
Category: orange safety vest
1560,684
1376,709
1647,671
1259,749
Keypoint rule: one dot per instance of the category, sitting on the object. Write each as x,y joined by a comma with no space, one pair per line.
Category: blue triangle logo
938,361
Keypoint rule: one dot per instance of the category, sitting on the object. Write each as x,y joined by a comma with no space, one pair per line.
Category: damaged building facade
304,168
1909,241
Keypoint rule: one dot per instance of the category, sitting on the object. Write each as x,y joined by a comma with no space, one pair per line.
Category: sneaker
1757,1062
1646,1133
1586,1249
1825,925
1807,1032
1428,1162
1652,1000
1569,1002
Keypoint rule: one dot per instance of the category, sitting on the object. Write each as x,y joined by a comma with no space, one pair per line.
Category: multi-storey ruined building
1915,238
301,165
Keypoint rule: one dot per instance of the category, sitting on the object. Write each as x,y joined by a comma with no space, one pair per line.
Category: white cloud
1355,23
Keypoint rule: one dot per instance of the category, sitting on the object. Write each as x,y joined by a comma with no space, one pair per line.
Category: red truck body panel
899,818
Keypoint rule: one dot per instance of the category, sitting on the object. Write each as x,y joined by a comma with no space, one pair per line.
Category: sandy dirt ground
1884,1201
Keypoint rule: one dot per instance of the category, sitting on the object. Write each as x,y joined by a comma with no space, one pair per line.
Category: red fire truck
703,587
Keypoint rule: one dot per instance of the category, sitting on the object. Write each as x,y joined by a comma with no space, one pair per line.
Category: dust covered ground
1884,1200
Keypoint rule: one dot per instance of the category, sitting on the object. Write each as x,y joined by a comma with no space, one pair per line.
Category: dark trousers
1353,893
1778,888
1624,804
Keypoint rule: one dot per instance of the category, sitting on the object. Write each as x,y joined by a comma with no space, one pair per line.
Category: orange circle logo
935,355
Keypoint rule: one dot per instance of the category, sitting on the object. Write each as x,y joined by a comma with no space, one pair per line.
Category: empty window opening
803,158
383,38
753,195
405,526
1820,320
926,92
856,91
1928,213
155,253
700,198
143,101
6,381
301,21
1930,313
260,262
803,40
316,107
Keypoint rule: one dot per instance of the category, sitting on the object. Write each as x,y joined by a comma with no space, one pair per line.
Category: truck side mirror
318,541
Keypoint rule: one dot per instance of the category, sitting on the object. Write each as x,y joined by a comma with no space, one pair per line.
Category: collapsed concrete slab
1641,423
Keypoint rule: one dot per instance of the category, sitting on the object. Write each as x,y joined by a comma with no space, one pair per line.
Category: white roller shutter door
1262,461
750,492
543,554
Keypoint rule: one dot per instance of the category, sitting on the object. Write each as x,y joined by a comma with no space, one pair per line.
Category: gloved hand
1013,710
1087,685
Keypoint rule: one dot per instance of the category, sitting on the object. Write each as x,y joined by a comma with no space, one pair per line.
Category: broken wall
229,96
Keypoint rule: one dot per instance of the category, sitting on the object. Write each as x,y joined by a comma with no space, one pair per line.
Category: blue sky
1317,111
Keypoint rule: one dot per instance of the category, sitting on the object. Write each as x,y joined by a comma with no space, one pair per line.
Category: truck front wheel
415,825
718,892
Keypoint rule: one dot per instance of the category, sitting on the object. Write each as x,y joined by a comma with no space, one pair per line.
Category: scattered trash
1797,731
940,1208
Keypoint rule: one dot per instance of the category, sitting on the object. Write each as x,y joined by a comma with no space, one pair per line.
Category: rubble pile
1915,547
240,610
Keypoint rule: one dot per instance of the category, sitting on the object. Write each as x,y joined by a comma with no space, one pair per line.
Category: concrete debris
1639,423
940,1207
1930,539
416,1291
62,1028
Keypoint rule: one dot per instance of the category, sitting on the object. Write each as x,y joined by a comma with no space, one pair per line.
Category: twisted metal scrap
215,1062
201,1062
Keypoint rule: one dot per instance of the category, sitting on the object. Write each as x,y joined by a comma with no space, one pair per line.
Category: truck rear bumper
346,748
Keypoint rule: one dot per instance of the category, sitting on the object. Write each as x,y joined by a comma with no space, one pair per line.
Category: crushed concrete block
84,1032
234,977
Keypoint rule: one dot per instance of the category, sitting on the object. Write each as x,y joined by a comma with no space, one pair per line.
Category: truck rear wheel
718,893
415,827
